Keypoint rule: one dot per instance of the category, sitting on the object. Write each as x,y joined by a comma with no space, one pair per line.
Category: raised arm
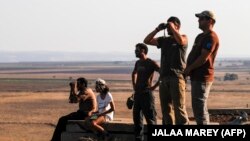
181,39
149,39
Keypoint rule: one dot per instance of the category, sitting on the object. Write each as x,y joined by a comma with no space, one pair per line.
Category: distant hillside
44,56
60,56
104,65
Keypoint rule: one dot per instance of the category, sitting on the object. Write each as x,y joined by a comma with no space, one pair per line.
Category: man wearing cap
172,81
200,66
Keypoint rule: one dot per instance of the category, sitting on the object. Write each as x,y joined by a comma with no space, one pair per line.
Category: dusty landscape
34,95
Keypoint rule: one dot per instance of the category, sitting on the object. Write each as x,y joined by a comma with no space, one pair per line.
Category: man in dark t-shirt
142,78
200,66
172,81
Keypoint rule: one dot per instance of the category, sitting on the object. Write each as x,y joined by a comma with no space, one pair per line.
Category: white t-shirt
104,105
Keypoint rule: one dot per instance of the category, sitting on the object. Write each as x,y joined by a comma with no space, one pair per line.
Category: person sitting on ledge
87,105
106,108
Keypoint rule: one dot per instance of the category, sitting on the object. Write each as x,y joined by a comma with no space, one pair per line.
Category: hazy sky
115,25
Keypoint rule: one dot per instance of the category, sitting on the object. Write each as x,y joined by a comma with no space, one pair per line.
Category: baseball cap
206,13
100,81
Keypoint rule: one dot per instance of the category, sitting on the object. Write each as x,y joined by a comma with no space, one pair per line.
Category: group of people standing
173,71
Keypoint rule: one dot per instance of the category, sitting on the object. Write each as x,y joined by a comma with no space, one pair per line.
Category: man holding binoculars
87,105
172,79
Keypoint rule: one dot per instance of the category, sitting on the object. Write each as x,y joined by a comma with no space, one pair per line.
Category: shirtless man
87,105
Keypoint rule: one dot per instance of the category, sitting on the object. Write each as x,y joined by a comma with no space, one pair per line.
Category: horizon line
107,61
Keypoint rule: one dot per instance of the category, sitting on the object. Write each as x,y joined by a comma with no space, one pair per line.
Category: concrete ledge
228,111
112,127
67,136
119,131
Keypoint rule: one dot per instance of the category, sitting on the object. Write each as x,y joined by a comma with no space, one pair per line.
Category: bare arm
150,40
155,85
181,39
198,62
73,88
134,76
112,108
93,97
157,68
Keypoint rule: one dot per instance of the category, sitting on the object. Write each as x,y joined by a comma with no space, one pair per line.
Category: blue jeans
200,92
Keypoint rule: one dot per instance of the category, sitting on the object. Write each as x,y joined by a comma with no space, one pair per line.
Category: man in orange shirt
200,66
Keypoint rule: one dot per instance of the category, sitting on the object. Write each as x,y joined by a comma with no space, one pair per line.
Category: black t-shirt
145,71
172,57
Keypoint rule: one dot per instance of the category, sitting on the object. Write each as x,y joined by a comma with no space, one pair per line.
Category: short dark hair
142,46
83,81
174,20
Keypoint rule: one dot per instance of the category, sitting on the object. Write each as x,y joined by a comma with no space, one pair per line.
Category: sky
106,27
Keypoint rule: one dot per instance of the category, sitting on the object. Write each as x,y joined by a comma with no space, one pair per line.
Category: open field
33,96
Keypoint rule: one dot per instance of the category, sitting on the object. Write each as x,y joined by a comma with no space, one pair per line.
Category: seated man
87,105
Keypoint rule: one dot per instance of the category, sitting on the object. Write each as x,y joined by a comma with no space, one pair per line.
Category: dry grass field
34,96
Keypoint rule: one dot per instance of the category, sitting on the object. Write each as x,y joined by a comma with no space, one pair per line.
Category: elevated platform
123,129
119,129
229,111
